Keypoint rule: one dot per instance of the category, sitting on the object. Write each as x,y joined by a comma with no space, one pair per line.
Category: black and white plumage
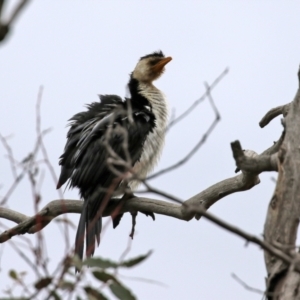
110,141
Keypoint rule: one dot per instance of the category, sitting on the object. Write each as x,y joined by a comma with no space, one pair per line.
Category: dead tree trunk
282,222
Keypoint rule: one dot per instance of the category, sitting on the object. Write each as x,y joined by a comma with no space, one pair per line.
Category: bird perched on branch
113,144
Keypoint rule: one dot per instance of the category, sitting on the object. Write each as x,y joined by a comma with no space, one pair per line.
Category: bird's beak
160,65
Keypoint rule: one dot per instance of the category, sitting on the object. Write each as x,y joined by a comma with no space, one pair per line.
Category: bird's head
150,67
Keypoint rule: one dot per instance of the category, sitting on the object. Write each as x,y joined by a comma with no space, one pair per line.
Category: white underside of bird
154,143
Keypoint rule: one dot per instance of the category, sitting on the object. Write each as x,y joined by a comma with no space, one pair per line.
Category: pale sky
78,49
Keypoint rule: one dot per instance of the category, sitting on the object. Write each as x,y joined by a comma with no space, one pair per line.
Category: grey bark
282,220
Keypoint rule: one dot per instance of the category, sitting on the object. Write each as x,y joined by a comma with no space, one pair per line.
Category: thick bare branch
202,200
253,163
273,113
162,207
275,147
214,193
11,215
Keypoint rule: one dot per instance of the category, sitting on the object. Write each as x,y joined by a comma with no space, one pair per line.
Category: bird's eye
153,62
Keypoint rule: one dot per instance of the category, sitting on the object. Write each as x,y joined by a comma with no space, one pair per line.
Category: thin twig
16,12
246,286
12,188
202,98
248,237
10,156
204,137
146,280
27,260
40,135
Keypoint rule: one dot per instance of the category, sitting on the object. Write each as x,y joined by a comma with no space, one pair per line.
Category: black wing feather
84,161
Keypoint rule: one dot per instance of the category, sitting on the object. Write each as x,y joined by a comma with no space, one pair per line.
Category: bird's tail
92,228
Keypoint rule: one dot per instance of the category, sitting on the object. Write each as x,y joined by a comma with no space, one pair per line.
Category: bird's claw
116,220
149,213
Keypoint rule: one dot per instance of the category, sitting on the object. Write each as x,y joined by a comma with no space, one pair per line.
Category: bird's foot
133,215
116,218
130,195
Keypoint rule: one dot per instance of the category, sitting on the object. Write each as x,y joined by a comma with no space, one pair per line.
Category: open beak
160,65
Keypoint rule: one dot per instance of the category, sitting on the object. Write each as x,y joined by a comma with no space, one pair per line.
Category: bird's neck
137,97
146,94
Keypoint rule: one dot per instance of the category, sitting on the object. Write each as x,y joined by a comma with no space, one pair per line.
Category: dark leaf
134,261
94,293
121,292
100,263
13,274
55,295
103,276
43,283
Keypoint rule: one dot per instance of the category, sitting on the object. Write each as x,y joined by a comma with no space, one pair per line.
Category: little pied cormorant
110,141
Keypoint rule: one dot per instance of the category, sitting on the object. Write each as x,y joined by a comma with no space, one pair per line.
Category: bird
113,144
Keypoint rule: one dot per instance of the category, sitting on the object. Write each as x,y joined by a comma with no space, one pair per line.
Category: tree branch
5,26
157,206
205,135
273,113
252,162
244,181
202,200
